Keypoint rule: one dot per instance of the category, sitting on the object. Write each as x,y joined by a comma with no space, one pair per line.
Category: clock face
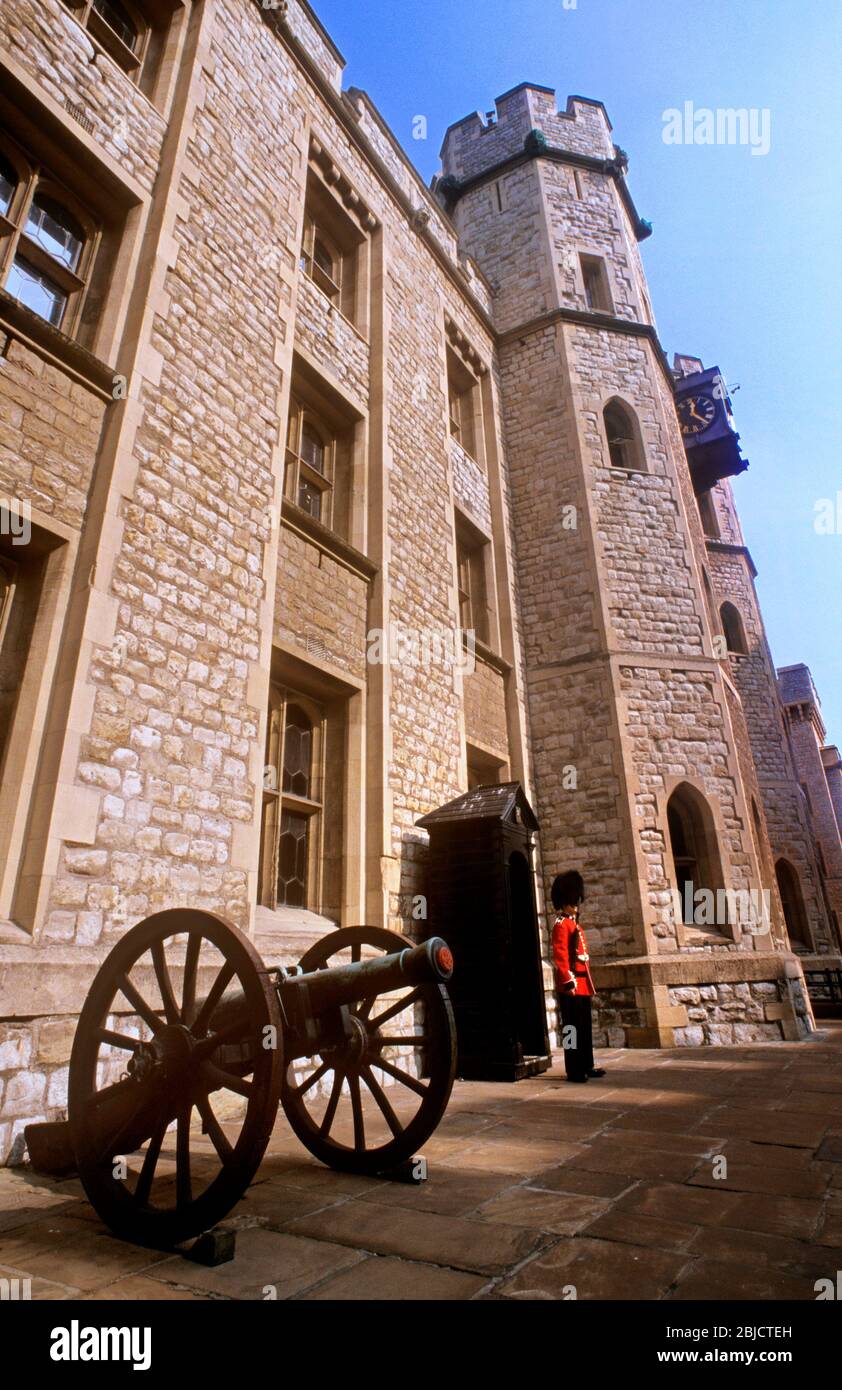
696,414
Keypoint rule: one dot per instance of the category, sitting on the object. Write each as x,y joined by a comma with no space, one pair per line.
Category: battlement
477,142
796,687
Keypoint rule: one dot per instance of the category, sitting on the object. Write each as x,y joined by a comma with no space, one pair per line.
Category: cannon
186,1032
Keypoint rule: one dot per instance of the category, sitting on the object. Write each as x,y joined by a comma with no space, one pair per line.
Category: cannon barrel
320,990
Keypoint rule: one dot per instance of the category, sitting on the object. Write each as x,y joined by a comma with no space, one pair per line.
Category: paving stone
776,1127
598,1269
509,1152
697,1206
743,1177
25,1199
384,1279
642,1230
569,1177
612,1156
39,1289
542,1211
264,1260
446,1191
140,1288
783,1216
75,1253
725,1281
275,1204
483,1247
754,1247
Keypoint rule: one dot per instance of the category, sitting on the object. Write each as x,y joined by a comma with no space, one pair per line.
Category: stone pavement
532,1188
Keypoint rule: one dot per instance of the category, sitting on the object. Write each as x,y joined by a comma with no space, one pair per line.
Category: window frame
634,452
464,407
129,59
276,801
594,275
35,177
302,416
329,284
473,581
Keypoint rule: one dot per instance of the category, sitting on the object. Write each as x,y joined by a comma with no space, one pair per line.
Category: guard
574,986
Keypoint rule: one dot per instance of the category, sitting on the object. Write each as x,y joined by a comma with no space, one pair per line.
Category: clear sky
744,264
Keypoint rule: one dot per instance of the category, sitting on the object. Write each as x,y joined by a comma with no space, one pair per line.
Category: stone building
327,496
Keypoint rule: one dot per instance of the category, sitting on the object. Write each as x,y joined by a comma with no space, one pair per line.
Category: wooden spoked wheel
366,1103
175,1075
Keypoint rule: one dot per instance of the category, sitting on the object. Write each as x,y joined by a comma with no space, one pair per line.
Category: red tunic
571,961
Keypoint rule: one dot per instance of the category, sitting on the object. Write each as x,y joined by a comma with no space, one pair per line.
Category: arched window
792,900
8,183
732,626
695,855
623,437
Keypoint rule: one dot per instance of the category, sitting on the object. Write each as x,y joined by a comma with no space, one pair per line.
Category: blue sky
744,261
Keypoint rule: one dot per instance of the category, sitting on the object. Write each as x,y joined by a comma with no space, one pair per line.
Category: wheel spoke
183,1182
312,1079
330,1113
162,975
357,1109
212,1127
105,1035
139,1004
150,1162
220,1080
191,966
376,1090
218,988
404,1077
397,1008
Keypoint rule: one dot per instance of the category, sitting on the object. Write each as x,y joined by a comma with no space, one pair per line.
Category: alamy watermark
16,519
702,125
398,645
749,908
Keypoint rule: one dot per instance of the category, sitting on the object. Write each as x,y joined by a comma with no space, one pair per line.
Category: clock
696,414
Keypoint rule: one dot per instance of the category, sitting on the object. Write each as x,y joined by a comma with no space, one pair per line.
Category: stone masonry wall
55,50
49,432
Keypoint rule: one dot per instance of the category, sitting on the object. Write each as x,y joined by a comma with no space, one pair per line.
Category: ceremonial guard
574,986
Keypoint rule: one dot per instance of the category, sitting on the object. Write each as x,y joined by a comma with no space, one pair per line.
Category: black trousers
576,1033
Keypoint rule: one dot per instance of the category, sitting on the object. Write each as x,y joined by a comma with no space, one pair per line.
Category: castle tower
641,763
820,777
785,731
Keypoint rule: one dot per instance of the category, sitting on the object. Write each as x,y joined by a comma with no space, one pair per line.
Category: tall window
732,626
695,853
463,405
707,512
792,901
471,559
292,806
21,582
330,249
595,284
623,437
322,261
311,456
47,241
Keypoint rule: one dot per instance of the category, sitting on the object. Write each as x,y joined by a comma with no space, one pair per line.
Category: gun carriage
184,1018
